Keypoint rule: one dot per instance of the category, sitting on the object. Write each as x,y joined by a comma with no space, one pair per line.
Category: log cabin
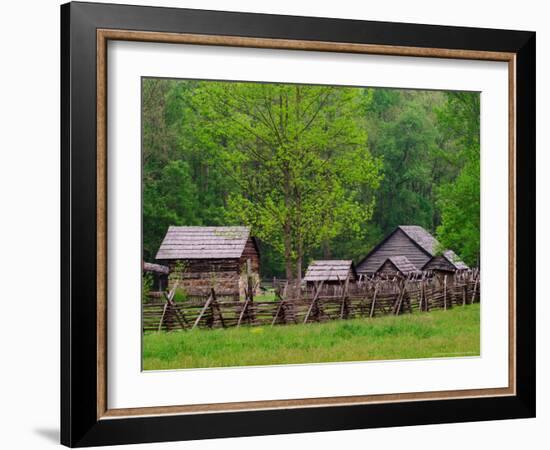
410,241
445,266
159,276
446,262
397,266
202,258
334,271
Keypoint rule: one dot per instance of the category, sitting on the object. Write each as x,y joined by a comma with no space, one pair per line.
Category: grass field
454,332
266,296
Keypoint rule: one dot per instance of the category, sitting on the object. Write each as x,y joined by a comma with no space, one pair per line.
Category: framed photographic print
276,224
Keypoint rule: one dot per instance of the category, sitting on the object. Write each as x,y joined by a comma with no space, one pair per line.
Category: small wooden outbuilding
334,271
410,241
445,266
202,258
159,274
448,261
397,266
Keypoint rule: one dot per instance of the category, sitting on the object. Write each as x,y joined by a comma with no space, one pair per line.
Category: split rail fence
369,297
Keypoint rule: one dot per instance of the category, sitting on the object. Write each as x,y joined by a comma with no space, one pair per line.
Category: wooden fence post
170,301
317,292
162,316
241,315
279,309
422,305
345,301
251,287
445,292
373,300
204,308
343,309
399,300
216,305
476,280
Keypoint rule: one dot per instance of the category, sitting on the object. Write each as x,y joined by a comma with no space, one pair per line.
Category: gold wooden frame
104,35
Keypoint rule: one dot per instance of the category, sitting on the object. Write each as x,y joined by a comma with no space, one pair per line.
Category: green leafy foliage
178,271
459,200
146,286
406,134
171,200
316,171
298,158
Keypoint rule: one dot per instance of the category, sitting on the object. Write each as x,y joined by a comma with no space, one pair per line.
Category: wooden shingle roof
203,242
431,244
421,237
156,268
402,264
453,258
330,270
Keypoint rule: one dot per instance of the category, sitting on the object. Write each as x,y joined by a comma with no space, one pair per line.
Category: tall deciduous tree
299,157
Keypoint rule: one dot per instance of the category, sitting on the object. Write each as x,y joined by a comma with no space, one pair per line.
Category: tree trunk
298,282
326,249
299,260
287,228
288,253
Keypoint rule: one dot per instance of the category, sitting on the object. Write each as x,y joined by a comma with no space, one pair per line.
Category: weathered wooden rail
321,303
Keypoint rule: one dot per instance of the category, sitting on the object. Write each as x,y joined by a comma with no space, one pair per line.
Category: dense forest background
316,171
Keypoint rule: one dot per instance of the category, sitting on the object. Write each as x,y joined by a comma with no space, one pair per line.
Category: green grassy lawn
454,332
266,296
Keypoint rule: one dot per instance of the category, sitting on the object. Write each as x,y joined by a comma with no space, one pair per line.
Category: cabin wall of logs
228,277
368,297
